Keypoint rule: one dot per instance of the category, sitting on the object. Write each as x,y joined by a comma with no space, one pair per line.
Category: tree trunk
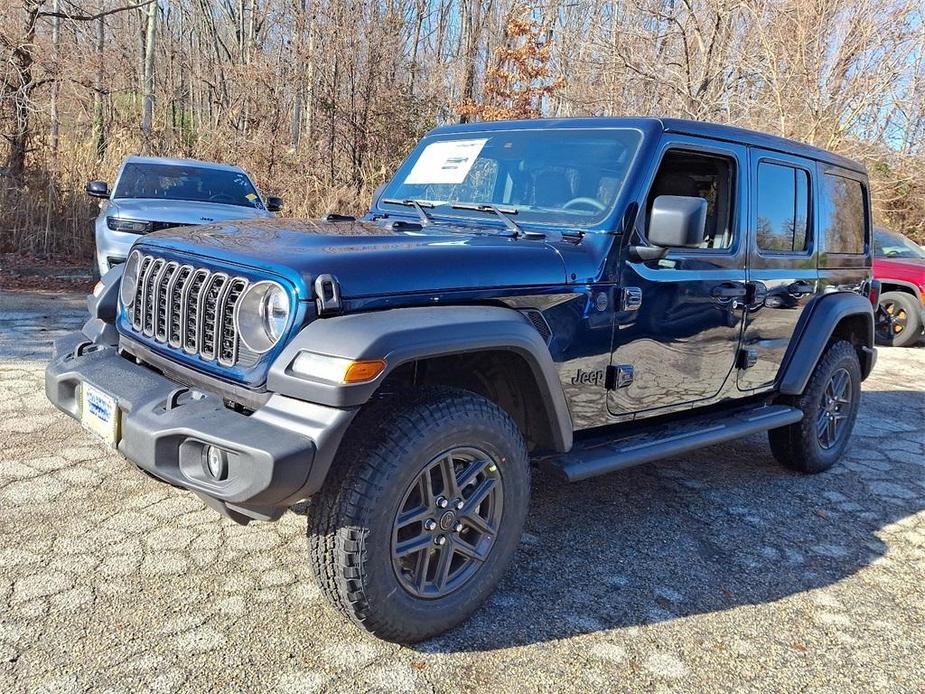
99,132
147,109
22,60
55,85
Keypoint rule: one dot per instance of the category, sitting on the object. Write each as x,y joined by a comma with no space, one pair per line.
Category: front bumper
165,427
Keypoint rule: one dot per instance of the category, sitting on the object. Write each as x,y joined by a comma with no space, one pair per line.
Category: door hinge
631,299
747,358
618,376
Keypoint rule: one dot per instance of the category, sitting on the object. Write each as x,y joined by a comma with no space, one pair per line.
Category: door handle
729,290
801,288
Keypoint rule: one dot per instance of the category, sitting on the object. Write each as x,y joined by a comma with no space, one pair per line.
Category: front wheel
422,513
830,406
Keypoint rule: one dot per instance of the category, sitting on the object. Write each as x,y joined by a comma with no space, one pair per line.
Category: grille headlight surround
130,279
262,315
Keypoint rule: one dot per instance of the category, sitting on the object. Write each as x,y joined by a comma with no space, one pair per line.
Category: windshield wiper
486,207
417,205
503,213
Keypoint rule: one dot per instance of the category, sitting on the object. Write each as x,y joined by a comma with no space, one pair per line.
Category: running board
599,457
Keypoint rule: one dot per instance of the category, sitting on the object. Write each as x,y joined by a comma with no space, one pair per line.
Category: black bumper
165,428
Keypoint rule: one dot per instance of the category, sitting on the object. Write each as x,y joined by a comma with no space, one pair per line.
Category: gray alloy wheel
836,406
447,522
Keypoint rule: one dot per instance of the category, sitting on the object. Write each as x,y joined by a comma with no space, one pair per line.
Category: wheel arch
841,315
460,346
893,285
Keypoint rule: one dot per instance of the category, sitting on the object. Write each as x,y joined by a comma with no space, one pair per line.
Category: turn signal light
336,369
360,371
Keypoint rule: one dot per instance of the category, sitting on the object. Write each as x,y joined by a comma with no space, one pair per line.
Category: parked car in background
152,193
899,264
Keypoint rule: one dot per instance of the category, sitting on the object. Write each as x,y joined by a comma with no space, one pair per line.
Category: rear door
782,275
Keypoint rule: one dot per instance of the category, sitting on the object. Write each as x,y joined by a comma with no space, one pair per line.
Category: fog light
217,462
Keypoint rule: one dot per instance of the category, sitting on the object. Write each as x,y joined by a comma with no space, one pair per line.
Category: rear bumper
166,427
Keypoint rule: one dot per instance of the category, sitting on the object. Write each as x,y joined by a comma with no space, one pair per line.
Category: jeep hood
369,259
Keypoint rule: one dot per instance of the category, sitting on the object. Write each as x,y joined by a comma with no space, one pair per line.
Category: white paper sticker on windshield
445,162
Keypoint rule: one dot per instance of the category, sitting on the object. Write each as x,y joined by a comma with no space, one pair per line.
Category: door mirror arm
640,254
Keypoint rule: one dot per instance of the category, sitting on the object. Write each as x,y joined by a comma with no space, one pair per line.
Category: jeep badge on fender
577,294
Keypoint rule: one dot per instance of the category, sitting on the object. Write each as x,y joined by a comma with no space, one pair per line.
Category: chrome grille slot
149,298
190,309
162,305
212,300
192,305
175,296
228,345
143,272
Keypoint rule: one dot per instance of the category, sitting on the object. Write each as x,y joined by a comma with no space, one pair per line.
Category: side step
598,457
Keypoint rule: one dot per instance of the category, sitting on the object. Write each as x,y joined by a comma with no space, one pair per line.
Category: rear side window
783,204
844,215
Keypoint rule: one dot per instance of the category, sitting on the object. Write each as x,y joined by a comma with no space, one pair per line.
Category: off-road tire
797,446
911,326
350,526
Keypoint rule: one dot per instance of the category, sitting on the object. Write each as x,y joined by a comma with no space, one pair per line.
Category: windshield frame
918,251
605,223
205,166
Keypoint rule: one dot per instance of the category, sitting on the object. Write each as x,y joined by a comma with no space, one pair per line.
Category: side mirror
274,204
677,221
98,189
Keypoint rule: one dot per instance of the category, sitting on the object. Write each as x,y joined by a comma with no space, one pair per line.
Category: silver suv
152,193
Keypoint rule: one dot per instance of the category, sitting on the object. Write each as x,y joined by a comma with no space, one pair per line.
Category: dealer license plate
100,414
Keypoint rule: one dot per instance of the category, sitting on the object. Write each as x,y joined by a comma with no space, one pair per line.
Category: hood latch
327,293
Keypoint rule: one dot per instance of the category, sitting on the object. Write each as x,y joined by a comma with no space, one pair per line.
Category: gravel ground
715,571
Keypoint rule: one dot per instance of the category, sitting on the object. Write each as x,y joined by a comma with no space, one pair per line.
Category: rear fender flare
815,329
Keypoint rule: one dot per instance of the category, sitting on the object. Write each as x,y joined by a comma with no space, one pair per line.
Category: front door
782,261
681,343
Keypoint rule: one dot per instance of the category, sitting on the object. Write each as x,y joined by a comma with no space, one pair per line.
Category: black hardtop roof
713,131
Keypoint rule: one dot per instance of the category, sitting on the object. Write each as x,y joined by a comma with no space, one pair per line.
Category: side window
782,208
845,216
701,175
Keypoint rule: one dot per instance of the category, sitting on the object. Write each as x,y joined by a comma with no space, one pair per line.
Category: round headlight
130,279
262,315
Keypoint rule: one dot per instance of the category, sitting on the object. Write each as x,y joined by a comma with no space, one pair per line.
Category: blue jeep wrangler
583,294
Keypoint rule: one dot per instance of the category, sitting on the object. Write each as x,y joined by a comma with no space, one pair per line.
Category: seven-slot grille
189,308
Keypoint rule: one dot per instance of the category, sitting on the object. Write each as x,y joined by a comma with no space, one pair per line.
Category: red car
899,264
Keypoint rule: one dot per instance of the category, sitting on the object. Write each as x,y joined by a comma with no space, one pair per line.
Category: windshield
186,182
888,244
556,176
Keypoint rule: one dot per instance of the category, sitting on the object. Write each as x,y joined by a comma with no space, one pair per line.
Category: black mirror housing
274,204
677,221
98,189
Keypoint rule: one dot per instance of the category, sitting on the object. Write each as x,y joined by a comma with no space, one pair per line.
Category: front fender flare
403,335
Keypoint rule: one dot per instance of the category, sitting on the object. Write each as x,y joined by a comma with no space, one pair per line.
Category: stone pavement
715,571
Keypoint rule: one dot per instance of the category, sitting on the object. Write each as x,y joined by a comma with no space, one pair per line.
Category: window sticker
445,162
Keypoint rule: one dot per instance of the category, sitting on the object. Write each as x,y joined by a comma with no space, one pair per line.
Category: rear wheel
830,406
422,513
901,323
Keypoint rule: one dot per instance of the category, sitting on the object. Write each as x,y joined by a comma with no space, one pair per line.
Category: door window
706,176
845,218
782,208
